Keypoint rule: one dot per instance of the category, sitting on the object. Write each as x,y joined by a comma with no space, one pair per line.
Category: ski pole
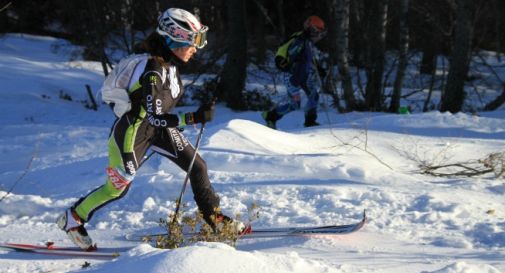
179,200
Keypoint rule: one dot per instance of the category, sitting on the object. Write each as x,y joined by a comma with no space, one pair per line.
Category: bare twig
362,146
491,68
5,7
264,11
26,170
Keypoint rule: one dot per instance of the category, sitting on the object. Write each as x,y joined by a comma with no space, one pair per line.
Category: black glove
204,114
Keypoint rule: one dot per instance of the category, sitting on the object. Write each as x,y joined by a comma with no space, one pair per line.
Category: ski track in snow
297,176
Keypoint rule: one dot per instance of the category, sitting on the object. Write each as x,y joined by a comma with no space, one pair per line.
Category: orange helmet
314,23
314,27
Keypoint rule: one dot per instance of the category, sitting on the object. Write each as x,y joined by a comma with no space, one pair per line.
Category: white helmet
181,28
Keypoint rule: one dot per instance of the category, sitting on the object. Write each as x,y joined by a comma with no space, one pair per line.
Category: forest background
370,44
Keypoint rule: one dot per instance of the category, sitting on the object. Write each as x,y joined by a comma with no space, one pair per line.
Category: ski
275,232
50,249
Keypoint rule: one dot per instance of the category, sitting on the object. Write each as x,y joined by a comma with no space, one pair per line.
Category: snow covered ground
54,151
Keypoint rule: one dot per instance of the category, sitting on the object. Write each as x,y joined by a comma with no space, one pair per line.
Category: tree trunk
342,9
326,10
402,63
358,40
429,49
460,57
430,91
428,61
232,78
105,63
259,28
499,7
98,41
280,14
377,17
126,17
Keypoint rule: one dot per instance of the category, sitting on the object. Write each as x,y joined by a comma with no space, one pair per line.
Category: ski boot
270,118
311,123
310,118
70,222
223,221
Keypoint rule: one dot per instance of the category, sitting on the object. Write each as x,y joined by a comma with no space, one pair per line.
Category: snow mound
463,267
252,137
209,257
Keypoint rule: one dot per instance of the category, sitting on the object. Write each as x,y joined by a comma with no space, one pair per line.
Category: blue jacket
300,51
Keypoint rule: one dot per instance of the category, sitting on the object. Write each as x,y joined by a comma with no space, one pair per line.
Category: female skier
150,124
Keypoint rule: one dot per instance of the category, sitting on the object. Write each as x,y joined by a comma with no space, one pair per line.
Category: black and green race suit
150,125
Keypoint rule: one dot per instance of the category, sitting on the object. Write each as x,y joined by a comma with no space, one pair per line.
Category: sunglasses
318,33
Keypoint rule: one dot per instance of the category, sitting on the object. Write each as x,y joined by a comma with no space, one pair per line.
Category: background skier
303,72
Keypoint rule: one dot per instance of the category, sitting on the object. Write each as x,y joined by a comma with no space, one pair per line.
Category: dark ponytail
155,45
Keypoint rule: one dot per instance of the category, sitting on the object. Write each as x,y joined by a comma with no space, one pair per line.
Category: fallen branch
492,163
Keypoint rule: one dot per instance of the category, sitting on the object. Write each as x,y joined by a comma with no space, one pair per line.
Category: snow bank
210,257
463,267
